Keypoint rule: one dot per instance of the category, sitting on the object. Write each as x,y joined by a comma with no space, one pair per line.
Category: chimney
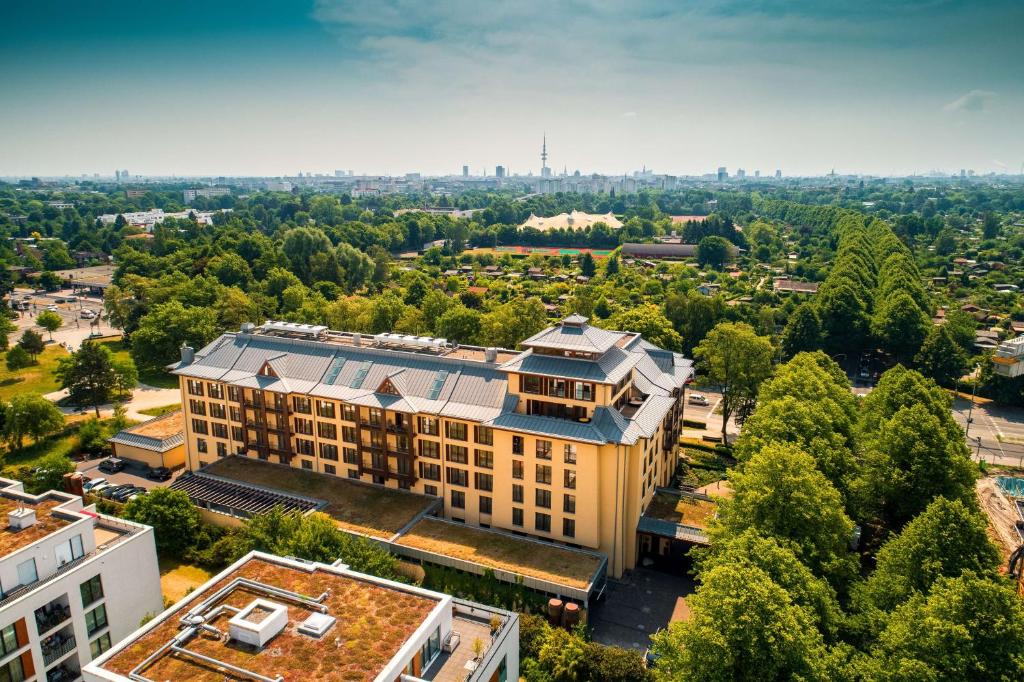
248,327
357,339
188,355
21,518
490,354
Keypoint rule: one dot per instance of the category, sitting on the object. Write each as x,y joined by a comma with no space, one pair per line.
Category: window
517,517
483,435
530,384
483,481
350,455
96,619
304,447
302,405
307,465
222,449
91,589
194,387
543,449
329,451
236,414
430,490
234,394
376,417
199,426
584,391
12,671
430,448
237,433
348,434
543,474
455,430
201,445
457,454
517,493
542,522
325,409
9,640
217,411
428,426
330,469
517,445
484,459
197,407
570,479
216,391
570,453
220,430
569,528
569,504
431,472
517,469
328,431
458,476
99,645
431,648
485,504
556,387
304,426
353,473
543,498
70,550
458,499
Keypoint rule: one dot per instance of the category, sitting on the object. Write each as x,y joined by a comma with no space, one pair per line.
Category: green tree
967,628
587,266
32,342
803,331
50,321
900,325
743,627
693,316
92,378
175,520
45,474
945,540
18,358
843,315
162,332
611,266
30,414
300,244
563,656
990,226
459,324
6,329
940,357
650,322
508,324
734,358
780,493
714,251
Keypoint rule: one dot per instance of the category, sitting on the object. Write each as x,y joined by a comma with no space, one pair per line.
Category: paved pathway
635,607
143,398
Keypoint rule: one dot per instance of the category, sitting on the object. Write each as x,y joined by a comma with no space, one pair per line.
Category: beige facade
569,488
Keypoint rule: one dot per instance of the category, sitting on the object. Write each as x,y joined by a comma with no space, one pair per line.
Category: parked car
71,299
160,474
92,483
59,300
698,399
87,314
112,465
112,490
123,495
97,489
52,308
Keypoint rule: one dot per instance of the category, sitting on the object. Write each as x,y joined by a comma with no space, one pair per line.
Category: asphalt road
994,434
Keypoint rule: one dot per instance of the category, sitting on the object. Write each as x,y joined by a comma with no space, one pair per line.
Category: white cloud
975,100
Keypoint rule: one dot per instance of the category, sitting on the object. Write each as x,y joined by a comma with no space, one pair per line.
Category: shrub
18,358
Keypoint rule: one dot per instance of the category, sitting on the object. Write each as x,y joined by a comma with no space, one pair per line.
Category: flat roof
679,515
46,523
504,551
374,619
159,434
367,509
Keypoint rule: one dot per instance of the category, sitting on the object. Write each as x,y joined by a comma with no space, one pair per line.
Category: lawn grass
38,378
156,378
372,510
160,411
178,579
64,442
503,552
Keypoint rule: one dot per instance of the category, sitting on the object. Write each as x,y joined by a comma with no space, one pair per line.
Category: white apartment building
270,619
72,583
189,195
1008,360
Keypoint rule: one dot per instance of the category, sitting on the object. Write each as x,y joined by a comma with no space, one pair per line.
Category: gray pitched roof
573,333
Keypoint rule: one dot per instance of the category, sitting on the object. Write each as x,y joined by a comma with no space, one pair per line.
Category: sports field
542,251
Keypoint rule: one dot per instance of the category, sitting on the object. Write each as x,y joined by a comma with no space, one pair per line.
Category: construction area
1002,498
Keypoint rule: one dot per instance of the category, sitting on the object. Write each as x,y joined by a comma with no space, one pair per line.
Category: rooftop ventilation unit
258,623
409,341
316,625
294,329
21,518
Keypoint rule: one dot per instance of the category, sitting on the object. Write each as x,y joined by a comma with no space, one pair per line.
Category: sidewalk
143,398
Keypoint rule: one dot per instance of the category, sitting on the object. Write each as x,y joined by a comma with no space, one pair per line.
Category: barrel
555,611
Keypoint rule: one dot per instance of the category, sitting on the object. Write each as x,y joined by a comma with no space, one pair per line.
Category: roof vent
258,623
491,354
316,625
21,518
188,354
248,327
357,339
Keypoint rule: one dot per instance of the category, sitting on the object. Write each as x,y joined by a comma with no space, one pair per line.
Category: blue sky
395,86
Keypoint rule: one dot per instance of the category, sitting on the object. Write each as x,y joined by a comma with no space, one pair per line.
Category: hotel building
565,440
269,619
72,583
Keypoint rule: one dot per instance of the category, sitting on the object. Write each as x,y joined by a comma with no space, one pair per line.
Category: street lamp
970,410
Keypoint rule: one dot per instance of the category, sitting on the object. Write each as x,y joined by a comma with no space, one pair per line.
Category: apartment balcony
398,428
50,616
58,645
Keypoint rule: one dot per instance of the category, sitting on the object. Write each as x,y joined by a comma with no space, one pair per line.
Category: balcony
399,428
62,673
57,646
51,615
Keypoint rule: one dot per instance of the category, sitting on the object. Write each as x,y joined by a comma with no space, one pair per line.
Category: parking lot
74,328
133,473
707,414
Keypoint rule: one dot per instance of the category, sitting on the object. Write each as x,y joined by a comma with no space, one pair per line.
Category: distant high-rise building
963,172
757,174
545,172
778,174
740,173
499,171
339,173
722,173
465,171
117,175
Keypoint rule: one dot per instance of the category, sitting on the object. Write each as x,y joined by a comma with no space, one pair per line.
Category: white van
698,399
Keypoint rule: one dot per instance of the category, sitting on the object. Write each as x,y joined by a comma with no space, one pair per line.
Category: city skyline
264,89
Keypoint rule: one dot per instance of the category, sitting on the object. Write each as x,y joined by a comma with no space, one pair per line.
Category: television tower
544,170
